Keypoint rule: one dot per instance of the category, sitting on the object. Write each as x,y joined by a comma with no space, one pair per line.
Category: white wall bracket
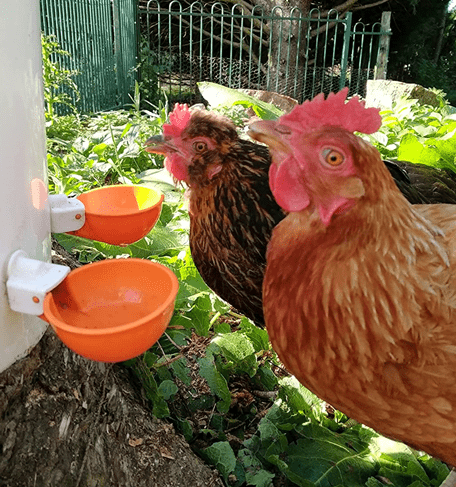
29,280
67,214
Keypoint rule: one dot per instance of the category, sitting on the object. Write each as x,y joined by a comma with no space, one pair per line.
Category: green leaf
328,458
437,470
216,382
298,398
446,148
222,328
238,348
181,370
200,315
258,336
399,463
285,469
159,405
222,456
411,149
161,180
186,428
218,95
267,378
253,469
99,149
167,389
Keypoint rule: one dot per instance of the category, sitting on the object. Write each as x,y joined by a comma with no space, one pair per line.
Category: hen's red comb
352,116
178,118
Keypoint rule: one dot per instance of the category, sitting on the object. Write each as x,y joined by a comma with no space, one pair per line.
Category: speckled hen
232,210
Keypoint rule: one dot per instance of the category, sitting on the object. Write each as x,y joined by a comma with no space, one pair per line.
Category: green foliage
418,133
149,69
210,360
56,79
222,456
108,149
218,95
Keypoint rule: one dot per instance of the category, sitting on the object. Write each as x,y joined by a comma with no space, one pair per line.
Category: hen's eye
332,157
200,146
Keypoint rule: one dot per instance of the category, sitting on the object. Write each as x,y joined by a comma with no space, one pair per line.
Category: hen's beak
270,133
157,144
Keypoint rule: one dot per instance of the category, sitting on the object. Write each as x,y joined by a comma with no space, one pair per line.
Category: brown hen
232,211
360,286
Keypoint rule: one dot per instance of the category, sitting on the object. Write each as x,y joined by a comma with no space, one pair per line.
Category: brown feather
363,312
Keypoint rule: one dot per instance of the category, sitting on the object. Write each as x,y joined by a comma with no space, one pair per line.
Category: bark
286,61
441,35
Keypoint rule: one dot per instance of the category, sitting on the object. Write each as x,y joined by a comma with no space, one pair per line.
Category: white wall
24,210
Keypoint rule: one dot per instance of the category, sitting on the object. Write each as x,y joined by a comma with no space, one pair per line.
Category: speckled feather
233,212
232,216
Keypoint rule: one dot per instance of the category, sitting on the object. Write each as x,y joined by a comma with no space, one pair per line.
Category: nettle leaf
237,348
222,456
216,382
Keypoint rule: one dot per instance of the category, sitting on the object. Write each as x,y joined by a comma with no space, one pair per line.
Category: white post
24,208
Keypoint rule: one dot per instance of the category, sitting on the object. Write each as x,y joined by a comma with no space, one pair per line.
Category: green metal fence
231,45
101,37
241,48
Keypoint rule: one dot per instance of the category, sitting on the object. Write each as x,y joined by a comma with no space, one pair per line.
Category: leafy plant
217,95
418,133
214,373
56,79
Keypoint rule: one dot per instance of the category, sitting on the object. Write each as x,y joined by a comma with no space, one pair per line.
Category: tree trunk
287,58
441,35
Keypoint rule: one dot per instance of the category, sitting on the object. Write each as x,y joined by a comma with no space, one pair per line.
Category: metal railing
101,37
284,52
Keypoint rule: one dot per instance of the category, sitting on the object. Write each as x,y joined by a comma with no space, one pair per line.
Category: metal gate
242,48
101,37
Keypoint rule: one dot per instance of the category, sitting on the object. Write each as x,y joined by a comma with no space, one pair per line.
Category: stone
383,93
